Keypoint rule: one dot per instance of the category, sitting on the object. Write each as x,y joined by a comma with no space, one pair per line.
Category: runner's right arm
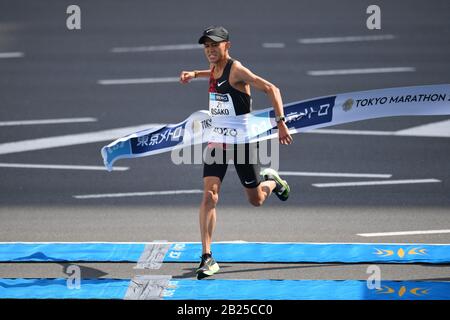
186,76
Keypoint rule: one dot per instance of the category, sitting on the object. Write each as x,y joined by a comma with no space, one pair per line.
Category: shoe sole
212,270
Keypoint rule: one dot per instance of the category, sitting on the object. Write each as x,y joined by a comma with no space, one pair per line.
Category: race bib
221,105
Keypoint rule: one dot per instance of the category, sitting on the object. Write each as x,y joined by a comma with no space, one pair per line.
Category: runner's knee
210,198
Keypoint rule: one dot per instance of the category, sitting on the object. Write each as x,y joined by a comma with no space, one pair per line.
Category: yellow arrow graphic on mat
402,290
401,252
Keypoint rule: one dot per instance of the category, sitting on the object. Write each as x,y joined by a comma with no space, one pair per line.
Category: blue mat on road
258,252
185,289
58,289
307,290
98,252
314,252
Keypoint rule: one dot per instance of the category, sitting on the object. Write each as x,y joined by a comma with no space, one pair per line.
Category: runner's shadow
432,279
85,272
190,272
429,265
282,268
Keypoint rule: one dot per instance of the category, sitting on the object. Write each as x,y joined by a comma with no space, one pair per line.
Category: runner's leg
256,196
248,170
207,215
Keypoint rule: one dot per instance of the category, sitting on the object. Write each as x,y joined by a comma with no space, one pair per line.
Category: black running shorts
245,161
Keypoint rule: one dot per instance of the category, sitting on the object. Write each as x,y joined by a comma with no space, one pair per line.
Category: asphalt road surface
48,72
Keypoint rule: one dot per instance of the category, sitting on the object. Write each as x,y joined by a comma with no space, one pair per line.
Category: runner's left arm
245,75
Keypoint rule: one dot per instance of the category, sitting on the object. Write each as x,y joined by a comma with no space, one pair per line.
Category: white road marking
106,82
7,55
360,71
58,166
353,132
373,183
435,129
346,39
138,194
334,174
402,233
273,45
45,121
440,129
169,47
106,135
71,139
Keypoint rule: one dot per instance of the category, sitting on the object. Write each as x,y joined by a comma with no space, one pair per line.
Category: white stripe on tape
153,256
147,287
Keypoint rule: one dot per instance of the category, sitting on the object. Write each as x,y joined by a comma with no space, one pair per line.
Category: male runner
229,88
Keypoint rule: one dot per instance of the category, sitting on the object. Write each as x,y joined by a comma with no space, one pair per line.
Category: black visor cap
216,34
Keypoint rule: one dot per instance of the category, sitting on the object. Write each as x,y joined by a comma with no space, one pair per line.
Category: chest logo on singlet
221,83
218,97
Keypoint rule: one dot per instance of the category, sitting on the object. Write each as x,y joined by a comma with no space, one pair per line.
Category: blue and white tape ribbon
301,116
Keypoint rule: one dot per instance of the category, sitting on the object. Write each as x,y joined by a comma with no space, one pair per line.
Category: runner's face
215,51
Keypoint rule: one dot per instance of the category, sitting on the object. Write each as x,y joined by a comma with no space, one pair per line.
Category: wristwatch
280,118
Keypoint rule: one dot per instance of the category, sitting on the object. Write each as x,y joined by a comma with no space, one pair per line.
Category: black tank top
241,101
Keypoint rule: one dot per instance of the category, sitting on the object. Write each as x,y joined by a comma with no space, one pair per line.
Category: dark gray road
57,77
